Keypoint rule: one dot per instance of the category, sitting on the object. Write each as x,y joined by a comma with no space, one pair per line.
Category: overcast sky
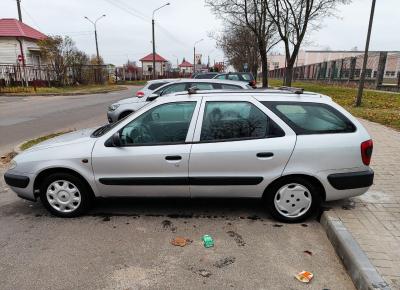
125,33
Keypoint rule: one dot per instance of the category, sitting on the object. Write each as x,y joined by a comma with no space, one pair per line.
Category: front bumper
351,180
21,184
15,180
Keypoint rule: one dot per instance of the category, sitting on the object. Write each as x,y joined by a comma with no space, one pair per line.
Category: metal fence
18,75
383,71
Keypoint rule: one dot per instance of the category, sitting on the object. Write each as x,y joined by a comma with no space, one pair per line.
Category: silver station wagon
291,149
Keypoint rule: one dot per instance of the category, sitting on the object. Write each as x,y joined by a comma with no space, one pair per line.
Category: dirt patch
224,262
6,158
238,238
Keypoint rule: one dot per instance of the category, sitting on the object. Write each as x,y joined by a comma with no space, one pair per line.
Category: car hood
80,136
132,100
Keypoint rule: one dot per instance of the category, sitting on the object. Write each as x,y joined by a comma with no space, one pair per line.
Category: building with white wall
18,43
147,65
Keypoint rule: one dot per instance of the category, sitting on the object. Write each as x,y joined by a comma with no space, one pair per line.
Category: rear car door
239,148
153,159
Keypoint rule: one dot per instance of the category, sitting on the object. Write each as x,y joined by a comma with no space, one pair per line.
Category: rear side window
233,77
311,118
247,77
230,121
230,87
155,86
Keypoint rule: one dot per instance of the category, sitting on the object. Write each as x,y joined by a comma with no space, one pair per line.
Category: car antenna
294,90
192,90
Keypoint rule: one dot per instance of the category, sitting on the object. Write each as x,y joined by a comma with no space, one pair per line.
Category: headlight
113,107
12,165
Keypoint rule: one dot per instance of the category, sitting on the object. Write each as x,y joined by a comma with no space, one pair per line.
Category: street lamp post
95,34
154,43
194,54
362,77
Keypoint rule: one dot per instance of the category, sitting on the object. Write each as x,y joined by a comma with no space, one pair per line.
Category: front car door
153,158
239,147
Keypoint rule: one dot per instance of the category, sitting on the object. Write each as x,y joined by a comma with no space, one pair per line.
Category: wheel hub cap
292,200
63,196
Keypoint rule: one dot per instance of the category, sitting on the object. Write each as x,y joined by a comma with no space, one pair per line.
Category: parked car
151,86
246,77
123,108
292,150
207,75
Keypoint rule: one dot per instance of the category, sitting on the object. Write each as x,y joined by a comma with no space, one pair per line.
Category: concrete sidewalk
374,218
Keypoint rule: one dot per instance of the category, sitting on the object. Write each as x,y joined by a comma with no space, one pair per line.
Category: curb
64,94
360,269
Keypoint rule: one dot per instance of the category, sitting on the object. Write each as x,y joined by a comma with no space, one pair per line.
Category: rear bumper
14,180
351,180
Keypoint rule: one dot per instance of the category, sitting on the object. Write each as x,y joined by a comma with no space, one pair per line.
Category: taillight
139,94
253,83
366,151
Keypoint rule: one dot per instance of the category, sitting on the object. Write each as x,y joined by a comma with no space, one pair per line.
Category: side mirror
113,141
152,97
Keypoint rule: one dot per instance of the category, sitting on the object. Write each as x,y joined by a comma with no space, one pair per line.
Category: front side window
311,118
203,86
236,120
164,124
175,88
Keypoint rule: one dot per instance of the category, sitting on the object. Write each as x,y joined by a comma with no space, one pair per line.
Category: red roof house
186,67
147,64
185,64
13,28
18,43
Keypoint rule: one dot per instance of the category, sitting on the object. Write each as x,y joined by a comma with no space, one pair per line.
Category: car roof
269,94
209,81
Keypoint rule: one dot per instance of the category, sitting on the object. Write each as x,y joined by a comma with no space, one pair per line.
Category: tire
293,199
65,195
124,114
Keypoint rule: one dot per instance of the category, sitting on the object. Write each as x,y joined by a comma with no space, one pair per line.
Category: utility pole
95,35
154,42
362,77
19,10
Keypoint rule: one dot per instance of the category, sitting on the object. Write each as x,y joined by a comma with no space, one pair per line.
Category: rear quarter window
155,86
311,118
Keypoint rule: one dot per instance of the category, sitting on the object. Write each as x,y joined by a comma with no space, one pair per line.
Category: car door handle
265,154
173,158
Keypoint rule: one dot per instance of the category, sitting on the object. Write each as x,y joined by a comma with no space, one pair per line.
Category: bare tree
292,19
252,14
239,46
56,51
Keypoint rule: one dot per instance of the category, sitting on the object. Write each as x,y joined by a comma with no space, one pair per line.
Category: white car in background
123,108
150,86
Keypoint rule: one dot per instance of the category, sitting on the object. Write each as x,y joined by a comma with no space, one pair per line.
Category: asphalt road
24,118
125,244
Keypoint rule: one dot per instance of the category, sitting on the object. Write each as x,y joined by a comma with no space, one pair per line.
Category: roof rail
298,91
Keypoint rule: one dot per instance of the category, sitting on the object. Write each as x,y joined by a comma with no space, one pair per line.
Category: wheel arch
315,181
46,172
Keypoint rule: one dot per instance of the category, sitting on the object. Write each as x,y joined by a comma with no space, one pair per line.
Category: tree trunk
288,76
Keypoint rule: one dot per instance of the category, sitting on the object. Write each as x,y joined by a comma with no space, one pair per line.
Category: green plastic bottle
207,241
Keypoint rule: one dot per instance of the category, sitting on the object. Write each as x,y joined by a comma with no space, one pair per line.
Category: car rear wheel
293,199
65,195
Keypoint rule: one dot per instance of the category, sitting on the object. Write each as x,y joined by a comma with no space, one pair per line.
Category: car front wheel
293,199
65,195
